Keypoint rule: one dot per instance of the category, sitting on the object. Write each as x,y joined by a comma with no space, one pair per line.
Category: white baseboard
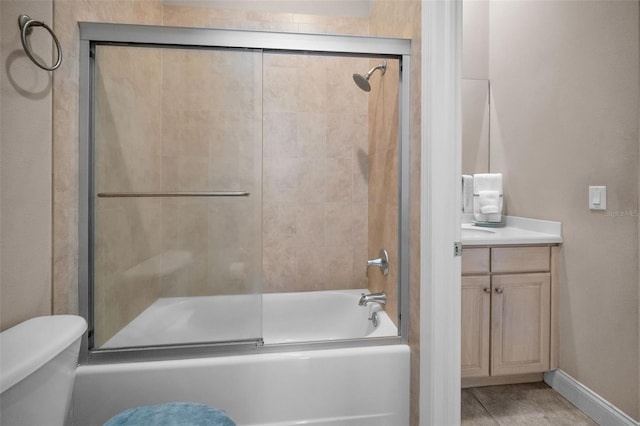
589,402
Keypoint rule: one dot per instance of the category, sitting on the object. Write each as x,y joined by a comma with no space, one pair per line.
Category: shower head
363,80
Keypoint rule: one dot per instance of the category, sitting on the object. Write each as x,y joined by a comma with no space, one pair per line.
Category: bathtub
355,386
366,386
286,318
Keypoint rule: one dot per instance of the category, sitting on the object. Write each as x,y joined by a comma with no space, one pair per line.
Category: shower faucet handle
382,262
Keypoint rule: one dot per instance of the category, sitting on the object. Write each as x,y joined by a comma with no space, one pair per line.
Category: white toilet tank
38,359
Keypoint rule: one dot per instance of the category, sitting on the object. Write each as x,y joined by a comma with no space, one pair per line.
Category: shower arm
382,67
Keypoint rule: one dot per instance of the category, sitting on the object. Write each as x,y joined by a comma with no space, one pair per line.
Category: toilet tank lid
29,345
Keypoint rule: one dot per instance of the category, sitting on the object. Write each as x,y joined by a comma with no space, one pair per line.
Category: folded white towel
487,200
467,194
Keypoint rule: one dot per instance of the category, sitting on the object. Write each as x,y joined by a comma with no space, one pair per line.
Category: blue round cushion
172,414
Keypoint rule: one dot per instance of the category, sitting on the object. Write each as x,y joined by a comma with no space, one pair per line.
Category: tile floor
519,405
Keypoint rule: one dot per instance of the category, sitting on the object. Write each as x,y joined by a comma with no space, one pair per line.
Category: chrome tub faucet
380,298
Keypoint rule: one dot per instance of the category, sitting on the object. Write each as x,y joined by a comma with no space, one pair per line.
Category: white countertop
518,230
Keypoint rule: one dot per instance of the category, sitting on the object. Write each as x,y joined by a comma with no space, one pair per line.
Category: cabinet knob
487,290
499,290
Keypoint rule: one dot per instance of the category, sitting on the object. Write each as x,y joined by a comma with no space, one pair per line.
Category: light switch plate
598,197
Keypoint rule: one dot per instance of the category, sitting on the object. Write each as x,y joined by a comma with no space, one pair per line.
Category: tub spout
380,298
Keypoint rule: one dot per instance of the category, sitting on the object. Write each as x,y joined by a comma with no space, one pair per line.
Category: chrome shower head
363,80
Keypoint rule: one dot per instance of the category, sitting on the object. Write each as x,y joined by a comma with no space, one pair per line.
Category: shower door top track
205,37
94,34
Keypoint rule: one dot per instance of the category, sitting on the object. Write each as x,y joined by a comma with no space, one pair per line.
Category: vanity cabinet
476,314
507,311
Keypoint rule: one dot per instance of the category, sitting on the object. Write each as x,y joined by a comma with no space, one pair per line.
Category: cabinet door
476,302
520,326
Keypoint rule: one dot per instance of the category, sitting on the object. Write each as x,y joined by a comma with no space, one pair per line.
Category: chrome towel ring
26,23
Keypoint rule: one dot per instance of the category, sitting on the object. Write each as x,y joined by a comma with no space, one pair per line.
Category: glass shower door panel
177,196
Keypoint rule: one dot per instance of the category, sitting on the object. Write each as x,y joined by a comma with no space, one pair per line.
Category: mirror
475,126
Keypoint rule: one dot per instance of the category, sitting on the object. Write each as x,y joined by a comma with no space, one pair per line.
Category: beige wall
475,40
25,168
475,126
475,87
564,79
393,18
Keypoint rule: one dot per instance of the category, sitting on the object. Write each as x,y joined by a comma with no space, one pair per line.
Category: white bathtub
365,386
286,318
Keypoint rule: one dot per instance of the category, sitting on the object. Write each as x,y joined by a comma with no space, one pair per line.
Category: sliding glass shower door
176,196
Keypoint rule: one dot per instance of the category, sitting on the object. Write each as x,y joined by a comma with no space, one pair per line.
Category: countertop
518,230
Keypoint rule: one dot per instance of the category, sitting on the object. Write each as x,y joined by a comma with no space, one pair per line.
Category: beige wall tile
185,133
338,180
127,130
311,181
313,28
310,225
281,88
337,224
312,268
279,269
360,225
312,134
235,151
280,185
341,134
279,225
234,246
340,276
280,135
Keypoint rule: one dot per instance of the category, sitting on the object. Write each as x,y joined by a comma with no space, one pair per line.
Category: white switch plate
598,197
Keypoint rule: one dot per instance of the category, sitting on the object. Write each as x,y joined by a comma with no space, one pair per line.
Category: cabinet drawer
520,259
475,261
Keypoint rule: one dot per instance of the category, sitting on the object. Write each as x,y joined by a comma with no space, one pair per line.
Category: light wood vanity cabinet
476,314
507,313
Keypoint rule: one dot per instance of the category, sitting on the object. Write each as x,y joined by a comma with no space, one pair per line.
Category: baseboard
589,402
474,382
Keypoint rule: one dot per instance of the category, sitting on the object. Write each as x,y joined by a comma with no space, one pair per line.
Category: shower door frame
187,37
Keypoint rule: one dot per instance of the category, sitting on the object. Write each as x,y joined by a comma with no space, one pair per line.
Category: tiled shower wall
383,182
128,142
190,120
315,173
175,120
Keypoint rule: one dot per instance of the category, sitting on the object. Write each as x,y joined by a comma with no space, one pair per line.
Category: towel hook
26,23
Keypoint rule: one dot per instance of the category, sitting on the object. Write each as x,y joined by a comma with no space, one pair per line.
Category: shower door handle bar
173,194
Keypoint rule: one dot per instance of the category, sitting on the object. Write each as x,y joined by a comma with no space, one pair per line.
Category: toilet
38,359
